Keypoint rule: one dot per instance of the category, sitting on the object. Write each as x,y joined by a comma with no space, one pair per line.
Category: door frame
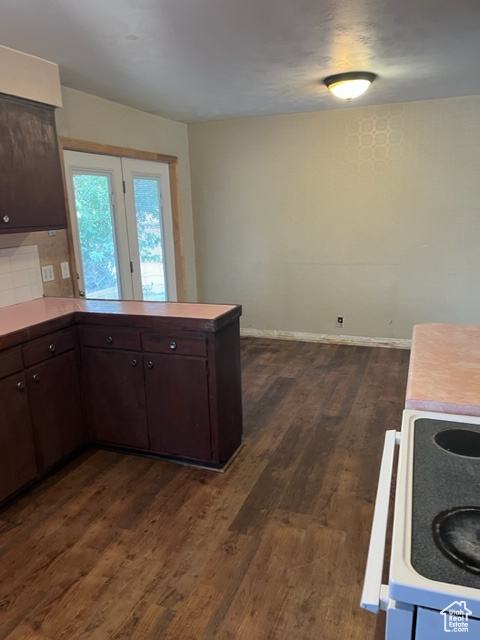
73,144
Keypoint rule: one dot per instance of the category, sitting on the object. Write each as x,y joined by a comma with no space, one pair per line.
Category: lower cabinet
56,407
177,406
174,390
17,452
114,389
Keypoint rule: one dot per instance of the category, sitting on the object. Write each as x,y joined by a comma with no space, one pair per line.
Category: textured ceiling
200,60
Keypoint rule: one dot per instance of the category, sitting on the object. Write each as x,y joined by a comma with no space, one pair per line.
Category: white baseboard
361,341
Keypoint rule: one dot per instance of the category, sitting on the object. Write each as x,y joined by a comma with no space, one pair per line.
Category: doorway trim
73,144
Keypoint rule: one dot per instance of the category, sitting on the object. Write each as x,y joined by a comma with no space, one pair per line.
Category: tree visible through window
95,227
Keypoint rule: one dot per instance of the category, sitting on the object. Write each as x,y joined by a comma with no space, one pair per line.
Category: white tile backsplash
20,275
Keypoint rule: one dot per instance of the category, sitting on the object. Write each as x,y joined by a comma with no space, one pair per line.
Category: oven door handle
374,594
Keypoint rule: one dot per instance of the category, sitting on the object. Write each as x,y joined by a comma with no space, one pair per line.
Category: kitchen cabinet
158,379
178,406
54,393
114,386
31,181
159,391
17,454
115,394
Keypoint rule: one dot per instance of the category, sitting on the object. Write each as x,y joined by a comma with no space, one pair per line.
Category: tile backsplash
20,275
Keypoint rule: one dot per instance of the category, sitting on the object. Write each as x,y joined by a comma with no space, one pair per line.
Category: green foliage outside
92,197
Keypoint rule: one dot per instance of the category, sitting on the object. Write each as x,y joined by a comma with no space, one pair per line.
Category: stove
435,556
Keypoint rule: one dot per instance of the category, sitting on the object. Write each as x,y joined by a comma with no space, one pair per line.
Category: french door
121,218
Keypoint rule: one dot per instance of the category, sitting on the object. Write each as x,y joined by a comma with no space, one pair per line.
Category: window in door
121,216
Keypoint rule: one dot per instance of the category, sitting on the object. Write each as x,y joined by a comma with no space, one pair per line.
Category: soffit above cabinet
29,77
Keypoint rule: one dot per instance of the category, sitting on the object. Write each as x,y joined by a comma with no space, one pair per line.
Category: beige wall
371,213
94,119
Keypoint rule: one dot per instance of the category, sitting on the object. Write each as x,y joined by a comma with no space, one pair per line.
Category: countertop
444,371
27,314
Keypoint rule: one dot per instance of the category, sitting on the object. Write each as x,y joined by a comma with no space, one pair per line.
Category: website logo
455,617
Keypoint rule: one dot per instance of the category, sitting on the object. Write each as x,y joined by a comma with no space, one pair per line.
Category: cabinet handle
109,340
173,345
21,386
134,362
149,364
36,377
52,348
6,219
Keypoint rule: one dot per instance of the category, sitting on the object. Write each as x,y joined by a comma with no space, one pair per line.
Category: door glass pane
148,212
97,238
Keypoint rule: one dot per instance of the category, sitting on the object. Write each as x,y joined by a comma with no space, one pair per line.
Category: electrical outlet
339,321
65,270
47,273
52,233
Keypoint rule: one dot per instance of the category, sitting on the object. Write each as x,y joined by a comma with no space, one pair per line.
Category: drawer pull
134,362
109,340
36,377
173,345
149,364
6,219
21,386
52,348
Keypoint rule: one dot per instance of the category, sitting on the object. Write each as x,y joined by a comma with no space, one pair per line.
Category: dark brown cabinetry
54,392
177,406
162,386
17,453
158,391
31,184
114,386
116,397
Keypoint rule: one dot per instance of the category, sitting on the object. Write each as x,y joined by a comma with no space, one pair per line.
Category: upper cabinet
31,183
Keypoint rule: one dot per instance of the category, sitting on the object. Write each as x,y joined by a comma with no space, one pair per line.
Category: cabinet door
115,397
177,406
17,452
31,181
55,400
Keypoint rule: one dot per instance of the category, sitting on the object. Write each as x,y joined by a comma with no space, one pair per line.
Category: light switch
65,270
47,273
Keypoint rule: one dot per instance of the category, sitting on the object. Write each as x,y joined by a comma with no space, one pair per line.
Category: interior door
121,217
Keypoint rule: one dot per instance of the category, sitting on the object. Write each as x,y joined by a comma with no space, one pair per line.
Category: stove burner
457,534
460,442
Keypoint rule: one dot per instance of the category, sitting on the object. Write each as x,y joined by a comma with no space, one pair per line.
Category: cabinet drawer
10,362
106,338
48,347
175,344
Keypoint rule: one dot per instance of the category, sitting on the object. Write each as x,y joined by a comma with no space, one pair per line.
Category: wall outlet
339,321
47,273
52,233
65,270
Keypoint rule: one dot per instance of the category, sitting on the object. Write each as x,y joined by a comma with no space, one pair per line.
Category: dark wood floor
127,548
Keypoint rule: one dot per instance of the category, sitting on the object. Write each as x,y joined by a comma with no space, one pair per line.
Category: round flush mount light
349,85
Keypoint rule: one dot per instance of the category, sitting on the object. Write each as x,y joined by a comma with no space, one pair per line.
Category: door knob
6,219
134,362
149,364
36,377
173,345
109,340
52,348
21,386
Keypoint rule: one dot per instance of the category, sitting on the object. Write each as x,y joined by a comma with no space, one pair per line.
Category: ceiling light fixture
349,85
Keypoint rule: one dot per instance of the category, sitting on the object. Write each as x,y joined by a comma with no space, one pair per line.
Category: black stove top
446,501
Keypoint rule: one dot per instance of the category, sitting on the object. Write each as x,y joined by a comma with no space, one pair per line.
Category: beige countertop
26,314
444,371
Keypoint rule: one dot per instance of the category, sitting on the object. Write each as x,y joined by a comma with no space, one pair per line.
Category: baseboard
361,341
